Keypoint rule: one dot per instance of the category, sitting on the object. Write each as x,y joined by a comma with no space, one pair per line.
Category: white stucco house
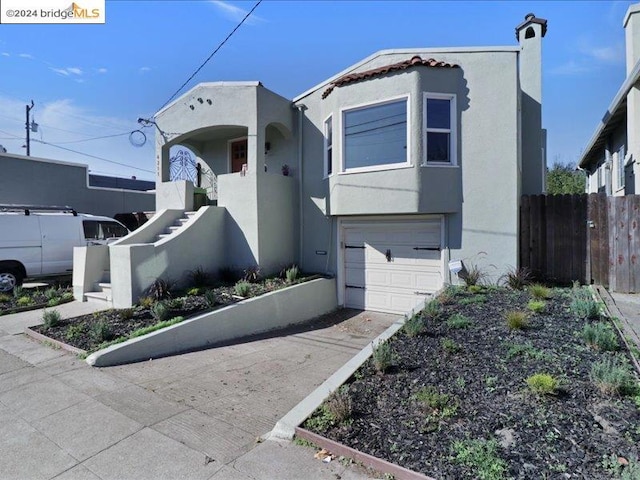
379,175
611,159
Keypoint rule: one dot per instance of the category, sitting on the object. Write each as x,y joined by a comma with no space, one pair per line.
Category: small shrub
210,298
474,275
600,336
449,345
160,312
526,350
482,457
17,291
339,404
382,357
432,309
474,300
50,293
517,278
66,296
442,404
516,320
160,289
199,277
126,313
414,326
193,291
242,288
24,301
458,320
51,318
292,274
542,384
613,377
583,306
53,302
252,274
474,288
4,298
537,306
146,302
100,331
74,332
540,292
448,295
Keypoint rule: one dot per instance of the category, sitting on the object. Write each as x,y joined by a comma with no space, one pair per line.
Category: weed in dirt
526,350
303,442
382,356
600,336
540,292
449,345
457,321
542,384
414,326
481,456
440,404
613,377
516,278
629,469
242,288
160,312
321,419
51,318
537,306
339,404
516,320
432,309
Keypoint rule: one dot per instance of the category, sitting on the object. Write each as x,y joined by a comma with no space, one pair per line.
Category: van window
101,230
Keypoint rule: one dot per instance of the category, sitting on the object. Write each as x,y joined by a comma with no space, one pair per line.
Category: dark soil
30,298
575,433
90,332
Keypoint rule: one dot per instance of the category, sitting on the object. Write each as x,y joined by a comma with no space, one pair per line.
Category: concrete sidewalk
629,306
192,416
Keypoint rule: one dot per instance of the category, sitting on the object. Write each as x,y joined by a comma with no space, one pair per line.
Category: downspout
301,108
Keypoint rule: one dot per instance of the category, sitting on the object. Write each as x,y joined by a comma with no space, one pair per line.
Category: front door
238,155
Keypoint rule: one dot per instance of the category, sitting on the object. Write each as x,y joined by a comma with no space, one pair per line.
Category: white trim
377,168
368,221
361,106
452,131
325,171
229,142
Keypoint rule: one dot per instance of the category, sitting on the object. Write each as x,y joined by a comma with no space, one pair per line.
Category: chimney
529,34
631,26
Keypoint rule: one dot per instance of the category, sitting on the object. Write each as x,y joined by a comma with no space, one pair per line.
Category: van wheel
9,279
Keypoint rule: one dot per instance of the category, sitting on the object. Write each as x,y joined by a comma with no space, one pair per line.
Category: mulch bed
90,332
34,299
578,433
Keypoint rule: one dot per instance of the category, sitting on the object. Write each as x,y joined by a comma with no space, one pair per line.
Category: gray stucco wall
480,196
36,181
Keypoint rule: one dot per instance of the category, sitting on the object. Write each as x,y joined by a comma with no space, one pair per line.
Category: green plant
100,331
482,457
542,384
414,326
583,305
540,292
516,320
339,404
242,288
292,274
66,296
160,312
146,302
194,291
152,328
474,275
432,309
160,289
4,298
17,291
382,356
199,277
52,302
449,345
24,301
303,442
474,300
126,313
211,298
252,274
537,306
630,471
321,419
51,318
458,320
51,293
613,377
526,350
474,288
600,336
74,331
439,404
516,278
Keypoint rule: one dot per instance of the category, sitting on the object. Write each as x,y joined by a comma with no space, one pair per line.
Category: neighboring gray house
38,181
379,175
611,158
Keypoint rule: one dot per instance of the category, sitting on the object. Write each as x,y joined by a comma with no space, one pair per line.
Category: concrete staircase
102,293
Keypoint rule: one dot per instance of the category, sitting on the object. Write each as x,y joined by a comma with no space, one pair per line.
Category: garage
391,266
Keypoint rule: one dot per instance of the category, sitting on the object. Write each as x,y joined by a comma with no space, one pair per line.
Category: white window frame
388,166
452,131
328,121
620,166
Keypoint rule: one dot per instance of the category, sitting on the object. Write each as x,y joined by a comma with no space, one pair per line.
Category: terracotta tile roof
414,61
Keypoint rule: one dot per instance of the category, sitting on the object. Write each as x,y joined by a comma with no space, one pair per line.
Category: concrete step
98,297
105,287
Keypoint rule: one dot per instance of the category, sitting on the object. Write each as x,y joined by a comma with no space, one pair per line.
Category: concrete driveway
193,416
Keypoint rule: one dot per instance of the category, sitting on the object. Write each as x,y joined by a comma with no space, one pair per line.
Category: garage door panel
354,255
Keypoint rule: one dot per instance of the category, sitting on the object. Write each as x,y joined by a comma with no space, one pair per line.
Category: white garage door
391,266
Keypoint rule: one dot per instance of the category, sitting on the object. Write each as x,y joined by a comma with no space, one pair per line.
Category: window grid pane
438,130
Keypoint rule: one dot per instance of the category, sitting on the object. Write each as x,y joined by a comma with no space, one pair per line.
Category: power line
94,138
94,156
212,54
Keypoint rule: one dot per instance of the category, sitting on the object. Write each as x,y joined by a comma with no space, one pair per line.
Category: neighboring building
611,158
38,181
380,175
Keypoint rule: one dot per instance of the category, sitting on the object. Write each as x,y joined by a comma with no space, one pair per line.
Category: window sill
380,168
439,165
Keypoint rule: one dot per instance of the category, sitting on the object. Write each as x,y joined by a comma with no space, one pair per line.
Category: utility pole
28,127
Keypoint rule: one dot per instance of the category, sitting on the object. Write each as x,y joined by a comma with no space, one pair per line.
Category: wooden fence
590,238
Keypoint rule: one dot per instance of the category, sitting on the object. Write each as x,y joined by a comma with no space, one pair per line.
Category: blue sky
96,80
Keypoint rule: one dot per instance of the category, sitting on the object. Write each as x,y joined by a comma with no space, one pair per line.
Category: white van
38,241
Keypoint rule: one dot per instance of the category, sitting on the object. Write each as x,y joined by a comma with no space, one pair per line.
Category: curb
57,343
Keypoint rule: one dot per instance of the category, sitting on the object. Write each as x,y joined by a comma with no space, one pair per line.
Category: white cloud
144,69
609,54
571,68
6,54
60,71
235,13
74,70
25,55
102,70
